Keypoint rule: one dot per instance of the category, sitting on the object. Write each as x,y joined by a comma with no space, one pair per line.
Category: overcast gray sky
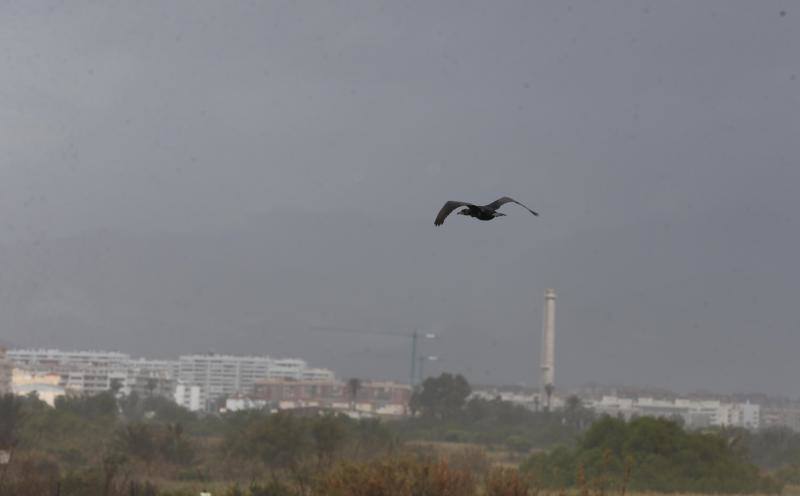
188,176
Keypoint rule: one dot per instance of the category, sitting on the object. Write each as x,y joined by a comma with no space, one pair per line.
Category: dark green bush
657,455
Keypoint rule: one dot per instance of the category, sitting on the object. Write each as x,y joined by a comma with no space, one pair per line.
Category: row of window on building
692,413
198,382
92,372
211,381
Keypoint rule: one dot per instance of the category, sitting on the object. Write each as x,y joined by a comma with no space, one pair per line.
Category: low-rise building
45,358
167,369
239,403
222,376
532,400
781,416
693,413
189,396
84,372
46,386
376,397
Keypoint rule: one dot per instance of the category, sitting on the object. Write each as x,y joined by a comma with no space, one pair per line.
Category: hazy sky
187,176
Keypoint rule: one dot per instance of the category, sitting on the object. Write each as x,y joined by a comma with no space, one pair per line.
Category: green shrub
651,454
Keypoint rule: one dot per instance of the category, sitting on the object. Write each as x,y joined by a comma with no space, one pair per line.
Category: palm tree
151,385
353,385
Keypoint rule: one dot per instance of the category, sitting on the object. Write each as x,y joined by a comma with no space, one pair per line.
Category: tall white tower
547,362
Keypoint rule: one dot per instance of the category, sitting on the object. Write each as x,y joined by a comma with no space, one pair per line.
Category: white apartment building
44,385
86,372
94,380
531,401
165,369
189,397
318,375
93,372
222,375
50,357
240,403
745,415
203,378
219,376
695,413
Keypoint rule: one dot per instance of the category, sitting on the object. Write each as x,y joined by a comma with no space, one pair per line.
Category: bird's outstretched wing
446,209
506,199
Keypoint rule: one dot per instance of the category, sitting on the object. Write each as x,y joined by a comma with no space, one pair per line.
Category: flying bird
480,212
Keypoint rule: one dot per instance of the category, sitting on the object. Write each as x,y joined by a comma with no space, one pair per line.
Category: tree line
445,411
107,444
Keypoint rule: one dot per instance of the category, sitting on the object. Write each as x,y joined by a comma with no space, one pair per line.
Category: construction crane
415,336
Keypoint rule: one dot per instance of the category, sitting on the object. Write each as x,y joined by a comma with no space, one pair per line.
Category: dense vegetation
771,448
446,413
774,448
650,454
99,444
108,445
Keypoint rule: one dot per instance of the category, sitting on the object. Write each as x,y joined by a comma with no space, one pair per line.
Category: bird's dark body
480,212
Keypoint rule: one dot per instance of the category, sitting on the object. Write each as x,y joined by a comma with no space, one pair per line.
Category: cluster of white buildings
693,413
205,379
199,382
78,372
196,382
531,400
365,399
781,416
206,382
